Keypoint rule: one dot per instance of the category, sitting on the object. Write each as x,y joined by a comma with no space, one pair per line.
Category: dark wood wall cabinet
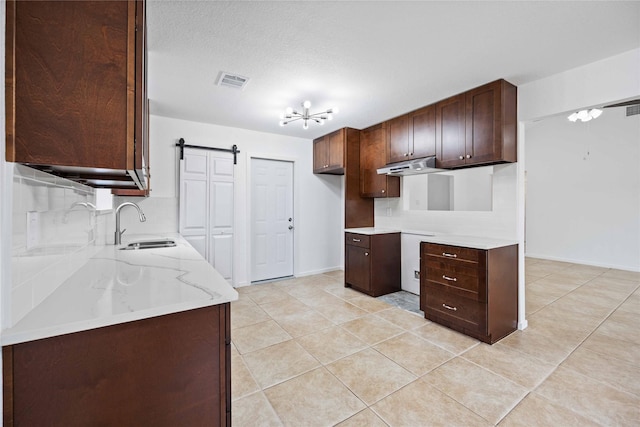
76,95
477,127
168,370
412,136
373,155
473,291
372,263
329,153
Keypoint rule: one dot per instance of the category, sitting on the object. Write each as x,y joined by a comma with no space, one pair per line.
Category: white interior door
272,224
206,206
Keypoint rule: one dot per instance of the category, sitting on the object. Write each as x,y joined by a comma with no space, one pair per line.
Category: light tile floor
309,352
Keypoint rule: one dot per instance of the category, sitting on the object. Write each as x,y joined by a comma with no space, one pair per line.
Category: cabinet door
320,158
422,132
335,149
398,142
358,267
483,124
373,147
450,131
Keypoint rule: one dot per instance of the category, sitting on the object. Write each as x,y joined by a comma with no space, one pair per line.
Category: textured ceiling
372,60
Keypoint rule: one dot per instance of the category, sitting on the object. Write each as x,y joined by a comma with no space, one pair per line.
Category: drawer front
464,312
460,284
355,239
452,252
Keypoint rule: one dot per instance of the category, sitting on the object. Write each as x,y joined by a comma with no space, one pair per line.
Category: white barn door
206,206
272,225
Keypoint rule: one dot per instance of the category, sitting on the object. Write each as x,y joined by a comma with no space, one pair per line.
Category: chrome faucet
118,234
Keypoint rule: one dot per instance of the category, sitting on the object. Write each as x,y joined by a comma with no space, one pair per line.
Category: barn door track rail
234,149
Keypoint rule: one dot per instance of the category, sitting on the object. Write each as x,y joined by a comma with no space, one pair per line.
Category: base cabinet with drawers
372,263
473,291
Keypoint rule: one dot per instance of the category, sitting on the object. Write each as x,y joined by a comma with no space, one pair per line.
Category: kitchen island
133,337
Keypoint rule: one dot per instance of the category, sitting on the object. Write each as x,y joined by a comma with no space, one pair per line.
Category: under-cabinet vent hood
411,167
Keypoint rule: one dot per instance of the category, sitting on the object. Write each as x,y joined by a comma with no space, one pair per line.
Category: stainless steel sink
149,244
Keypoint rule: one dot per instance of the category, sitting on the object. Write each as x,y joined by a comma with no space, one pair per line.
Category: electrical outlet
416,274
33,229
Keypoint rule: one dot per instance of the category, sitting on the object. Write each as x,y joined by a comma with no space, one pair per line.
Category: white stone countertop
117,286
370,230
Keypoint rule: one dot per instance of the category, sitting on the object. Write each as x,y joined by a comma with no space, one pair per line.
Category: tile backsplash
54,229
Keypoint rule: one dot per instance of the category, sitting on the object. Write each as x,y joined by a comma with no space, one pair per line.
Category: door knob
290,219
291,227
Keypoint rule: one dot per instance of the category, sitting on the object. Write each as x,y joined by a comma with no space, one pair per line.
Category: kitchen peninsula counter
117,286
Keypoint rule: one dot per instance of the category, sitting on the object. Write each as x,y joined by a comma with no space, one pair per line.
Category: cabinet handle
366,254
356,240
448,307
406,154
460,157
449,255
383,191
451,279
411,154
468,156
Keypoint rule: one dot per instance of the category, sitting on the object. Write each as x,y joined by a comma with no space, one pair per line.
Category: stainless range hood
411,167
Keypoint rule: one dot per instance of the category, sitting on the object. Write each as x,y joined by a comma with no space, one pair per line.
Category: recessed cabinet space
372,263
412,136
373,148
76,95
473,291
329,153
477,127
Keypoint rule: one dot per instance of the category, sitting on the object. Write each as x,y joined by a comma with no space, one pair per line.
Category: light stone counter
370,230
117,286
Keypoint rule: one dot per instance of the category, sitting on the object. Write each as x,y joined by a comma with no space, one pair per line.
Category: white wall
583,190
317,198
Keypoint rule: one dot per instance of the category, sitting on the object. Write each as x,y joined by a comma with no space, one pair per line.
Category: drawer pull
449,255
451,279
356,240
366,254
448,307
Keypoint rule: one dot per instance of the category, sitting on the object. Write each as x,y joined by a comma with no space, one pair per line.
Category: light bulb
329,116
321,122
288,111
573,117
305,125
282,123
595,113
583,114
306,104
587,118
335,110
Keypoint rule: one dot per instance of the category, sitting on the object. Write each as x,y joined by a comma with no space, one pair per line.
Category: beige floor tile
340,312
617,327
372,329
247,314
369,304
370,375
535,299
278,363
536,411
631,304
366,418
485,393
623,274
335,274
518,367
304,290
543,270
321,297
559,318
307,322
618,288
552,286
254,410
318,280
446,338
593,399
574,276
340,291
316,398
242,383
402,318
611,347
286,307
614,372
270,293
331,344
530,278
420,404
584,301
542,344
257,336
413,353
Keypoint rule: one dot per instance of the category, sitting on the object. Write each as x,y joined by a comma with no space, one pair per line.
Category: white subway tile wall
54,233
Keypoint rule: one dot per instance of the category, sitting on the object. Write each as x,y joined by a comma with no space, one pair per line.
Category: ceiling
373,60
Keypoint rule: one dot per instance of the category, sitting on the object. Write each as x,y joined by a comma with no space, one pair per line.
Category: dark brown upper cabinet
412,136
477,127
329,153
76,95
373,148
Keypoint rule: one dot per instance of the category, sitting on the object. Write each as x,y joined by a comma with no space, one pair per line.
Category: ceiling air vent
232,80
632,110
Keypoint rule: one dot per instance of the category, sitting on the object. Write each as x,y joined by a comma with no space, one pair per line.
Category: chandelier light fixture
291,115
585,115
